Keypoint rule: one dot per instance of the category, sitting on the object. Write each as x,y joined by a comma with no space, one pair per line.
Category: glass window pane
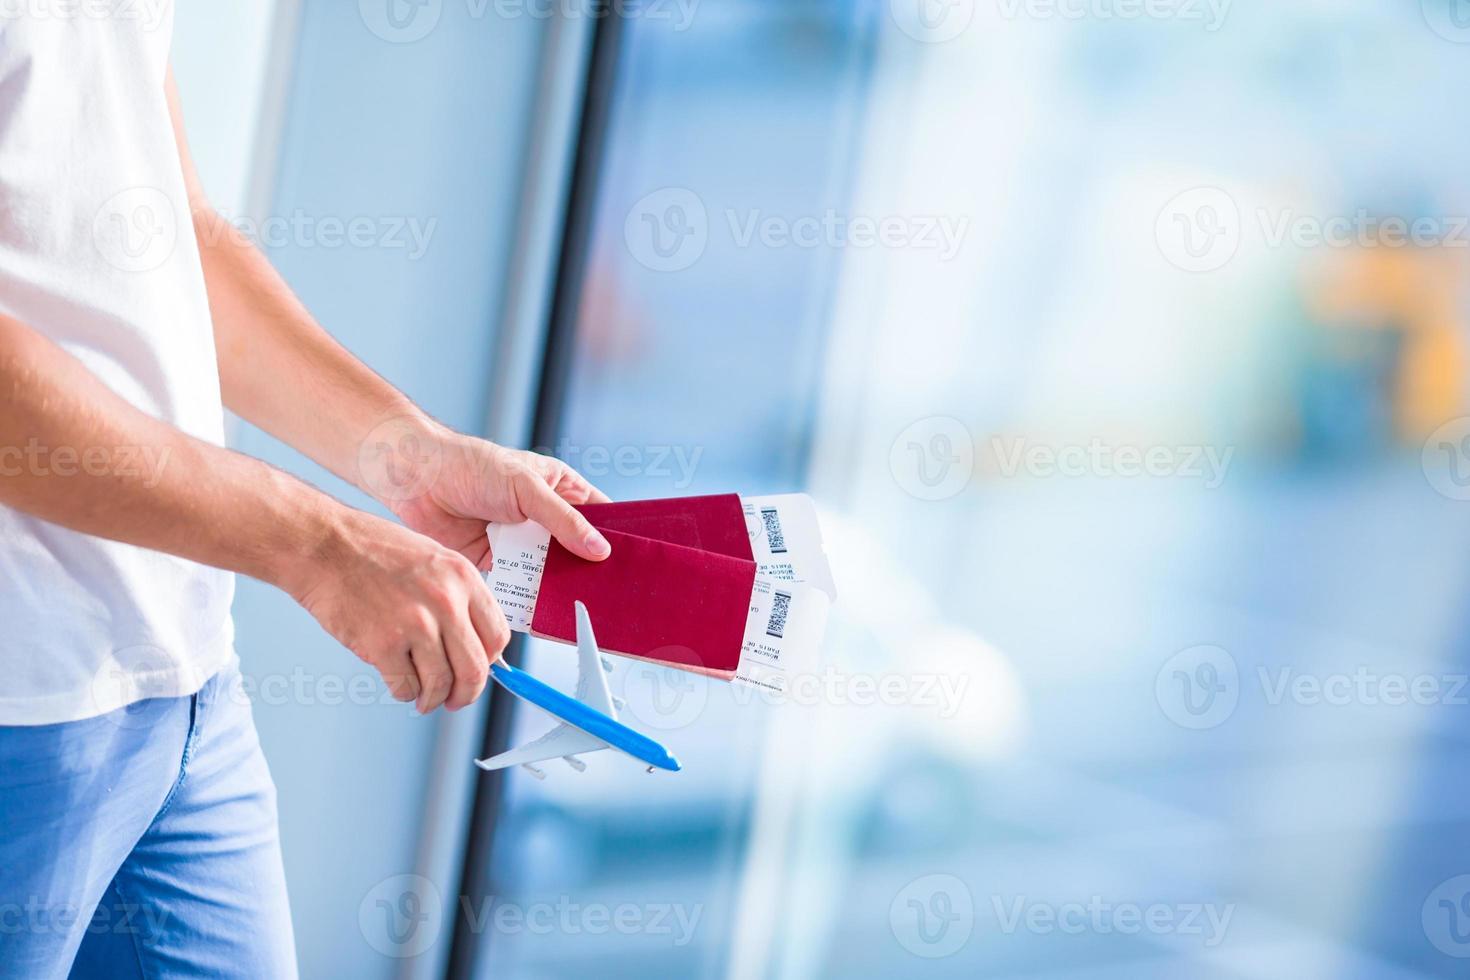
1126,358
683,383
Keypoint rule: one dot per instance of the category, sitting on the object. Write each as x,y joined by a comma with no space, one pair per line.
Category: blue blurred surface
1319,827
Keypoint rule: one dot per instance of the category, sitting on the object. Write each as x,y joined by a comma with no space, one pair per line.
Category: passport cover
712,523
675,590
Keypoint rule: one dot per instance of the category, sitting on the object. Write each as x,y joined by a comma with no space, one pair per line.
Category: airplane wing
563,740
593,710
592,689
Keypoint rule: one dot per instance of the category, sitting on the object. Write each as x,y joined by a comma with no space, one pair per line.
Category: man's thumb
569,527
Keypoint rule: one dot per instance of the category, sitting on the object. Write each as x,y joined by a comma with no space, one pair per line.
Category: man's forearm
279,369
74,453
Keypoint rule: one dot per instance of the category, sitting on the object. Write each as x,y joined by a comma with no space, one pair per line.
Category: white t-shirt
97,252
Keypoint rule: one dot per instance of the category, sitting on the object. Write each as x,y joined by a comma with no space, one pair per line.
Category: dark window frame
476,882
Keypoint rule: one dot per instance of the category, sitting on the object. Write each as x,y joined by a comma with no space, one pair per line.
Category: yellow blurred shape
1418,292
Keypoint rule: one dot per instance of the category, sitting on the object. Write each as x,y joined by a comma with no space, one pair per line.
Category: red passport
675,590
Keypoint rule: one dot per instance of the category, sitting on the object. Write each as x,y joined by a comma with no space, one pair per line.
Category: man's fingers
398,673
436,679
468,661
543,506
566,482
577,489
489,622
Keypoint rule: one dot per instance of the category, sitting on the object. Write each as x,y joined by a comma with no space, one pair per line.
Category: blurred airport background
1122,346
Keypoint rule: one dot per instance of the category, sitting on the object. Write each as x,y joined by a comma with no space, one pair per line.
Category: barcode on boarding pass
774,537
780,606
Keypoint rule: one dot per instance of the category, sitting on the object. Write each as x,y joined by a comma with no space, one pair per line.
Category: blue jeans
143,843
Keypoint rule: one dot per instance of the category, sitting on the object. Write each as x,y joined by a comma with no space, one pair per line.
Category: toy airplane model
589,722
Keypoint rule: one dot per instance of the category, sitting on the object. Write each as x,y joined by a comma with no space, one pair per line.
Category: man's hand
416,611
449,486
411,604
